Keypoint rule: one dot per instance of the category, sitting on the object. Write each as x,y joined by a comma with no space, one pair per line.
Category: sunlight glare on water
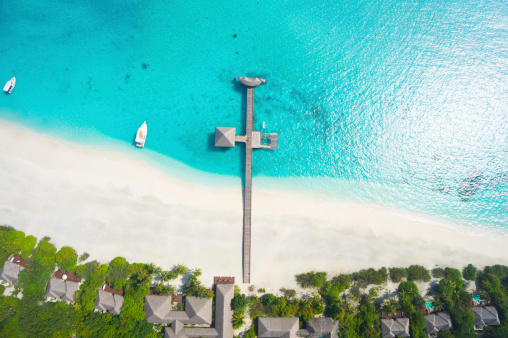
401,103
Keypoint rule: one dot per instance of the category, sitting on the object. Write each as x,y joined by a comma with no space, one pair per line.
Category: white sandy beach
109,205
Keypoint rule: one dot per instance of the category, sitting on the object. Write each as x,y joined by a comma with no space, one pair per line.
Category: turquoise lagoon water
400,103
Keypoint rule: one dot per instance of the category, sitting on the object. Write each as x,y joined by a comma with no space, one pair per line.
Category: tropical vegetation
355,299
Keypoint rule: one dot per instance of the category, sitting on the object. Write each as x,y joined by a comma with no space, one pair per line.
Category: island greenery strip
352,299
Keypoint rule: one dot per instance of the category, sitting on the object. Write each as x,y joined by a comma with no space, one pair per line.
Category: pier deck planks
248,188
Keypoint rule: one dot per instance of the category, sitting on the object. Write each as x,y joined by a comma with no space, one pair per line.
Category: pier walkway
226,137
247,199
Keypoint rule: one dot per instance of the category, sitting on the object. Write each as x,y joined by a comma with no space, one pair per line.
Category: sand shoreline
108,204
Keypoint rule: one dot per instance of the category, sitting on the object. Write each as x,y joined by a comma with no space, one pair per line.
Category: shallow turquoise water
401,103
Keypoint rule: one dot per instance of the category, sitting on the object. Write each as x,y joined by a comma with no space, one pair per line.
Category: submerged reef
469,186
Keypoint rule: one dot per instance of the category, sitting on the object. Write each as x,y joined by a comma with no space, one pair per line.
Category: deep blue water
401,103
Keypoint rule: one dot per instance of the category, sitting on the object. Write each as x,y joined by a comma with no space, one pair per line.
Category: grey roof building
157,309
198,311
437,322
396,327
59,288
9,272
177,330
485,315
225,137
107,301
277,327
320,327
224,293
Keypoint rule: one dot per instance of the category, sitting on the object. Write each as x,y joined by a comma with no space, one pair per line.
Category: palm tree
438,303
238,320
390,307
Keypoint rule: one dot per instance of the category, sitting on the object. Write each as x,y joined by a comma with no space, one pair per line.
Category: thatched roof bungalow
275,327
225,137
107,301
198,311
9,272
485,315
397,327
63,289
437,322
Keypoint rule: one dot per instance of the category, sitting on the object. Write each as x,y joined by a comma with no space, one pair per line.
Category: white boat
9,86
141,135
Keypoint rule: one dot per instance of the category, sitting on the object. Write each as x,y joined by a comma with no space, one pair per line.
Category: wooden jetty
226,137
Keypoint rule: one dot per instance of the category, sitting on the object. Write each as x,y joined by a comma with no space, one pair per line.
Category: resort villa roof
107,301
437,322
225,137
177,330
9,272
198,311
275,327
59,288
320,326
224,293
485,315
157,309
398,327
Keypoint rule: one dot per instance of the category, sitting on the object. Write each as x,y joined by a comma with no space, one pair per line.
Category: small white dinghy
141,135
9,86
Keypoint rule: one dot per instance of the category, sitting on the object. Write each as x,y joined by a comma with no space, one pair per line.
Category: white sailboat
9,86
141,135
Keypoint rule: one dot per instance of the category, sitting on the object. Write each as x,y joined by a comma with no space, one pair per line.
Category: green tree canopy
84,270
44,253
239,303
195,288
66,259
438,273
490,283
455,276
28,245
368,320
469,272
311,279
310,307
88,291
501,271
397,274
269,299
118,273
370,276
410,302
14,241
418,273
331,290
456,300
288,293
